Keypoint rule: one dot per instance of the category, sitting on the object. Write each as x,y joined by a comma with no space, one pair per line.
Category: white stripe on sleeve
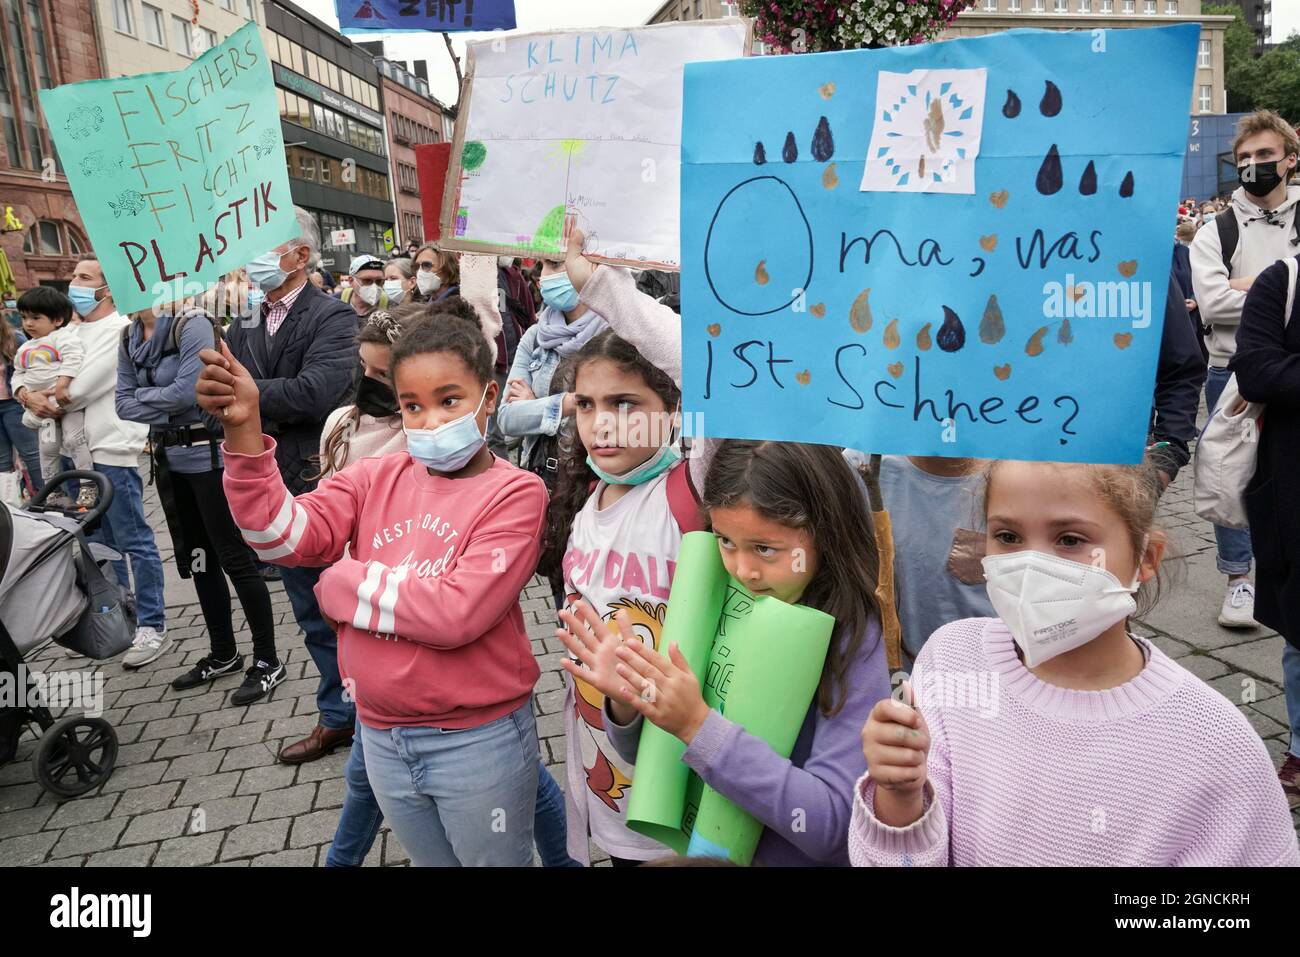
388,601
365,595
277,527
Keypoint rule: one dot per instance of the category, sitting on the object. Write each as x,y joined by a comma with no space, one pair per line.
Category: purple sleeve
809,806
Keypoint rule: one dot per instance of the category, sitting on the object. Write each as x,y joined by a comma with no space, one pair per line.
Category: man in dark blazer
301,348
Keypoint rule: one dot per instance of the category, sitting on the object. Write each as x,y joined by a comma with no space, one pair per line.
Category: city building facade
413,116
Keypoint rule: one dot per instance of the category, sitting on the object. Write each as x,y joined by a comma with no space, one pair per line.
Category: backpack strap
683,501
1229,231
1292,268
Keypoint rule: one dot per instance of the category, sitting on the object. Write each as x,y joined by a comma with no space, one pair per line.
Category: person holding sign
1052,736
428,551
300,345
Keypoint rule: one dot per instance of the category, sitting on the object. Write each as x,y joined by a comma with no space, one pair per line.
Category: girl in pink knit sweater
1052,735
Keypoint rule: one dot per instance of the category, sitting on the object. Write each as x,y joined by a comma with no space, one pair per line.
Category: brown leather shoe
319,743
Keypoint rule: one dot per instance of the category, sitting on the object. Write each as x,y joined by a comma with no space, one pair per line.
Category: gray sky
1286,19
531,15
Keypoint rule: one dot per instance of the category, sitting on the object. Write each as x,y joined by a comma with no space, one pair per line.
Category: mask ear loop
1142,554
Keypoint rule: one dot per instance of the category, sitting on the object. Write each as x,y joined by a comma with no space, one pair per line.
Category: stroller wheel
76,755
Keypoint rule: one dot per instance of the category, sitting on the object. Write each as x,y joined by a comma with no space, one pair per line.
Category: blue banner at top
436,16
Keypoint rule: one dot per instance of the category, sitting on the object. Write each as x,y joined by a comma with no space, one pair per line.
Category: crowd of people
406,446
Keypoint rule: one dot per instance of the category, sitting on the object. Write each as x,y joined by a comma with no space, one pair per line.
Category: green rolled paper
759,661
763,674
658,800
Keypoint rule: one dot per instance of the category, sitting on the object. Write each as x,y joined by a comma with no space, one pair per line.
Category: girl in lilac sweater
1052,735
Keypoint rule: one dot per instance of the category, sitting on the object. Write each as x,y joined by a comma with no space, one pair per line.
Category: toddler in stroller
55,584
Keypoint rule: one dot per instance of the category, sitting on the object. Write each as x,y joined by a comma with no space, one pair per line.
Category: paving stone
269,710
1203,666
189,851
82,810
262,837
1264,726
20,795
84,838
1262,658
551,701
31,848
1234,687
221,813
324,769
550,725
125,778
292,728
249,732
1275,708
158,826
286,802
131,754
146,799
141,695
208,787
302,857
224,718
249,756
203,702
192,766
394,853
124,857
314,828
168,727
330,793
150,712
269,778
25,821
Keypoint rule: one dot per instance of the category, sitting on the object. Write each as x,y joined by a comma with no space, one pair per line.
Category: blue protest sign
179,177
438,16
957,249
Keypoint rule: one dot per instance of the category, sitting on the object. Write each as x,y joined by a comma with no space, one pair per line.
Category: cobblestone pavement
189,751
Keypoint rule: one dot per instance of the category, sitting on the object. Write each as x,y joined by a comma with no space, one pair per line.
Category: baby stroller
55,584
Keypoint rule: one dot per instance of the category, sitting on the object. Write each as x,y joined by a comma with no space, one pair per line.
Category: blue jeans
14,436
125,530
322,644
360,819
1291,682
1235,552
459,798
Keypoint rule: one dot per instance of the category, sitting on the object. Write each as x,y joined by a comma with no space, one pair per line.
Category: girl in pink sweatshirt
428,551
1052,735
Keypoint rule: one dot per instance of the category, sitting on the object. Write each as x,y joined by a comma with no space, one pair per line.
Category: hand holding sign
226,390
895,742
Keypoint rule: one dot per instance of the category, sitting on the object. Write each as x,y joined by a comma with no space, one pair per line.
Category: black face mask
1259,179
375,398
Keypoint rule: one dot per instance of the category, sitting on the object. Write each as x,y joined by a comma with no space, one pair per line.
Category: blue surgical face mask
450,446
255,299
83,299
265,271
558,292
394,291
656,465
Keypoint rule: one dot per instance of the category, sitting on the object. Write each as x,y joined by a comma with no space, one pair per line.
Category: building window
43,239
124,16
1040,6
1149,7
1171,7
1013,6
990,6
181,36
154,30
1204,100
1061,6
209,38
1085,6
1107,6
229,5
1203,53
1130,6
252,10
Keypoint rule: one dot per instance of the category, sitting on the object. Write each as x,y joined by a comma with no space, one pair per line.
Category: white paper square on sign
925,135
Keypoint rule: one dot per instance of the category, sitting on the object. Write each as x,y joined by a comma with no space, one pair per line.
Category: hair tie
386,324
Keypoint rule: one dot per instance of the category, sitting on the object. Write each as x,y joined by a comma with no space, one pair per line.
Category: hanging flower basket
810,26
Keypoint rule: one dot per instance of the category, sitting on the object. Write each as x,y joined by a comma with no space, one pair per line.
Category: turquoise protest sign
957,249
179,177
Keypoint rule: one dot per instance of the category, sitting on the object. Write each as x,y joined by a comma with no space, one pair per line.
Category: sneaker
258,682
149,644
1238,609
1289,775
207,669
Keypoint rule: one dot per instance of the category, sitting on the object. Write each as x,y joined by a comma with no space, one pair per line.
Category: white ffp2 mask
1053,605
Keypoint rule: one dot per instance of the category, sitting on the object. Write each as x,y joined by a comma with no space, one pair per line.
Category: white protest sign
578,125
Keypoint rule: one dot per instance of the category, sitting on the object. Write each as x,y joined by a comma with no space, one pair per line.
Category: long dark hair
8,343
811,488
573,484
